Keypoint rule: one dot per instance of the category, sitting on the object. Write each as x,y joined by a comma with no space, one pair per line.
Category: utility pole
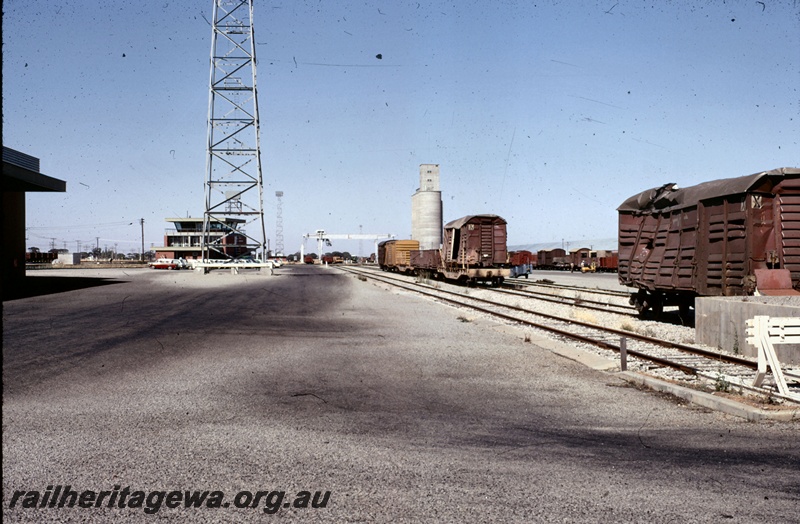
141,221
279,225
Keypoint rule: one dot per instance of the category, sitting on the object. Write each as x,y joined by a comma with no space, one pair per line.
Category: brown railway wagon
475,240
720,238
395,255
583,258
518,258
474,250
39,257
607,261
426,259
552,259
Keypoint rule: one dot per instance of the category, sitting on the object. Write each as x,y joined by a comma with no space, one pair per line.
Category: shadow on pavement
34,287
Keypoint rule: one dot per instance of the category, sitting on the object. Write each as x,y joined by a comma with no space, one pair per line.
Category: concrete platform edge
707,400
700,398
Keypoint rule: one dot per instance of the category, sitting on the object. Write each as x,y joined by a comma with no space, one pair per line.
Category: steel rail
563,300
729,359
527,282
575,301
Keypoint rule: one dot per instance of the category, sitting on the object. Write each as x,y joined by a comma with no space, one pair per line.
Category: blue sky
548,113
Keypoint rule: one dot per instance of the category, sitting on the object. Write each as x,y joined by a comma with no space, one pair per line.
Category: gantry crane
325,238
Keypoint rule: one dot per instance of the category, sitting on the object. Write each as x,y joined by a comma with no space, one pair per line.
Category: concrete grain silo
426,209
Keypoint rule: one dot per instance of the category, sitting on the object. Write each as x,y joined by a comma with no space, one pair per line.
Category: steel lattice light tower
234,186
279,224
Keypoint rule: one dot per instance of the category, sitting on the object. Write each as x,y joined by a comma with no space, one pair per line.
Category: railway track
602,301
549,284
579,300
672,360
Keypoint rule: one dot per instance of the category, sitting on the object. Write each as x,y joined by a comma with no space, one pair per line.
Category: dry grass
584,316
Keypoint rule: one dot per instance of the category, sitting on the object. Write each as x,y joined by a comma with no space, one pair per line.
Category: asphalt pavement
314,388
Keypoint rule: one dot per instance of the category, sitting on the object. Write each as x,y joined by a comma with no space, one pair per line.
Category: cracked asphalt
404,409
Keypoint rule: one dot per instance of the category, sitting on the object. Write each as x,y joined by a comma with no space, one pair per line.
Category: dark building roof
21,173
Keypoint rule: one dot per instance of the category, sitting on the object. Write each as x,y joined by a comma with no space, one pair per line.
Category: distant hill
592,243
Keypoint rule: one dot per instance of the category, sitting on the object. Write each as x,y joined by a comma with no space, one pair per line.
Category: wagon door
675,249
724,225
789,206
666,250
687,249
636,244
486,242
499,246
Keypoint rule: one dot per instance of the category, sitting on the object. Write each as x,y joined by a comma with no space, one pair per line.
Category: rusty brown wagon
735,236
474,251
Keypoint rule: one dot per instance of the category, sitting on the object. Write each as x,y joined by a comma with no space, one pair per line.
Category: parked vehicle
169,263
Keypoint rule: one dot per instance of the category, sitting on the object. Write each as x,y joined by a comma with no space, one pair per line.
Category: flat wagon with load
474,251
734,236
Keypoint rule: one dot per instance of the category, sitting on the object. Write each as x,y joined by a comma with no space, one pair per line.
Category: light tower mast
279,225
234,187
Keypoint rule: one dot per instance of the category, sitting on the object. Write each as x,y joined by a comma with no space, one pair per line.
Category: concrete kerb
700,398
707,400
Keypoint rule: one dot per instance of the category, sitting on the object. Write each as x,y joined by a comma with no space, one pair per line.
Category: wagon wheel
642,310
684,311
658,309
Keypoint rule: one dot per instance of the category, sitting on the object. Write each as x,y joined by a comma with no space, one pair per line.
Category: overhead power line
83,226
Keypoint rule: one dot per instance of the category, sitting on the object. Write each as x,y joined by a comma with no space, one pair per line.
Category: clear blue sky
548,113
